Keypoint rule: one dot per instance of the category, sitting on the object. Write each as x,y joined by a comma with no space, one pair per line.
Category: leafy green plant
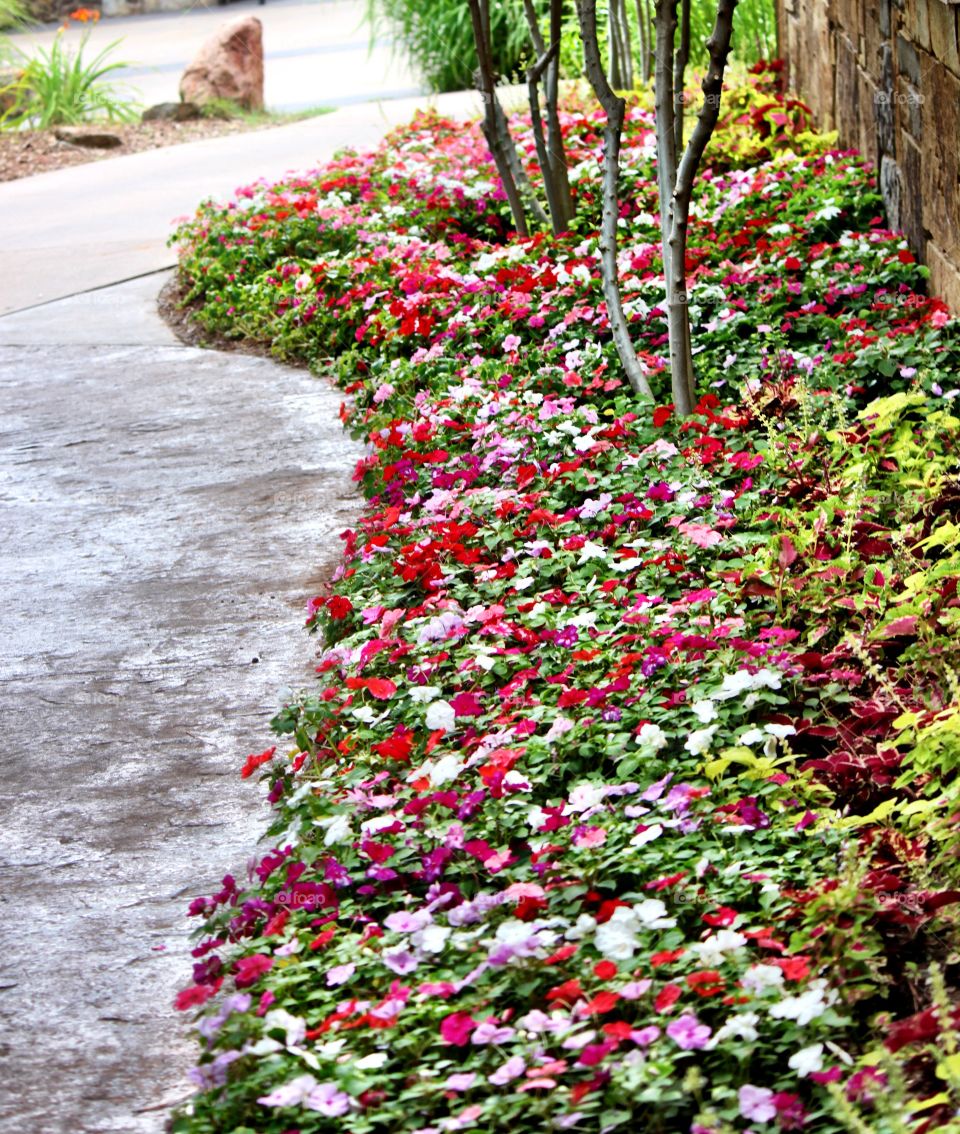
59,87
438,37
13,14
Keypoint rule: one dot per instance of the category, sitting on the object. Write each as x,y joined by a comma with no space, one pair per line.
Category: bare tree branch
614,108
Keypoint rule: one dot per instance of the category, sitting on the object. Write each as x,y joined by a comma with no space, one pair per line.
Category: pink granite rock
228,66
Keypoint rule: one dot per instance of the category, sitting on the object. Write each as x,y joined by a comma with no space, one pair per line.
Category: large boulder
228,66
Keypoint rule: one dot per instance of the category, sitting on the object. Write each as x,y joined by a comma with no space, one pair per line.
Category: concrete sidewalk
316,52
92,225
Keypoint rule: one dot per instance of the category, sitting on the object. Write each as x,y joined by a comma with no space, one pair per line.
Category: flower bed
625,798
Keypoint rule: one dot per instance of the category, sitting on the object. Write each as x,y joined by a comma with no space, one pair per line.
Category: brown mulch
26,152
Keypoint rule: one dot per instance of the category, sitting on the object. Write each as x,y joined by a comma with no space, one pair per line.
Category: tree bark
621,56
676,177
646,37
494,119
614,108
681,59
551,152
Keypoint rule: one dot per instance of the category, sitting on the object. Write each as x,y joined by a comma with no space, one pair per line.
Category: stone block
940,169
909,106
908,62
944,275
884,108
916,22
911,204
943,34
891,187
867,131
873,37
847,93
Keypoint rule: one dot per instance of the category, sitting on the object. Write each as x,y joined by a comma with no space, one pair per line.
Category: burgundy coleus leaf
788,553
905,627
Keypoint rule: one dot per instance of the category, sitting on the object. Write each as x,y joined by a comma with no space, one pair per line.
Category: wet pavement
165,513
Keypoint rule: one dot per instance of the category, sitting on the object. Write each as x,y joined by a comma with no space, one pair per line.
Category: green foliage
13,14
438,38
59,87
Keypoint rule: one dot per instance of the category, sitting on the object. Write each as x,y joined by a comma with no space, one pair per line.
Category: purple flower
611,715
462,1081
507,1072
756,1104
400,961
688,1033
340,974
567,637
328,1099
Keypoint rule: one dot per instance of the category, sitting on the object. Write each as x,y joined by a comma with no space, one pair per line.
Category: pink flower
462,1081
590,837
688,1033
511,342
457,1028
507,1072
756,1103
701,534
248,970
340,974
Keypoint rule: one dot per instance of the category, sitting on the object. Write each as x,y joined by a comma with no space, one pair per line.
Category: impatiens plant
626,798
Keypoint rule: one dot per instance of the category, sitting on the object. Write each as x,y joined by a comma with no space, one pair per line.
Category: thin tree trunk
494,118
550,149
621,60
676,206
614,108
643,22
679,74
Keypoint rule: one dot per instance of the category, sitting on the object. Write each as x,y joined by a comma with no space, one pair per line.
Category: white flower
780,731
751,737
423,693
653,736
293,1026
582,927
651,914
433,939
447,768
585,796
806,1060
616,939
647,836
592,550
337,827
699,740
741,1026
372,1062
440,715
712,951
760,977
704,711
805,1007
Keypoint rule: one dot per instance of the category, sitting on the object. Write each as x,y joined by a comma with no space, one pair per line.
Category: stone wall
886,75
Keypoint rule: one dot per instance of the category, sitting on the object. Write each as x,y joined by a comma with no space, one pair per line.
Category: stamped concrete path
164,514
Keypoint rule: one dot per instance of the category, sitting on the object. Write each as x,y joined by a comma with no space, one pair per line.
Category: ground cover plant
626,799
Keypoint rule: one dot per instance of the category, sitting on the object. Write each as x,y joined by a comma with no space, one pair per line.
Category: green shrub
438,38
60,87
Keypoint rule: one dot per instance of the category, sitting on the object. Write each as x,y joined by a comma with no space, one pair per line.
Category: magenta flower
457,1028
248,970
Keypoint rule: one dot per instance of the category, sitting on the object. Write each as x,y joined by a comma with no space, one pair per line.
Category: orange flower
85,15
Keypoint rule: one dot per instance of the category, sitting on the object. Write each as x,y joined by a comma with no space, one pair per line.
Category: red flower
254,762
666,957
603,1002
605,970
567,993
662,414
248,970
396,747
196,995
339,607
722,918
667,997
